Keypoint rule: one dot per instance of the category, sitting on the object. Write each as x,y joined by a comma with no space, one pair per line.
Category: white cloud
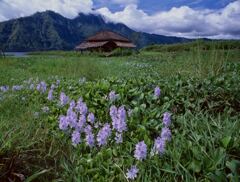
182,21
17,8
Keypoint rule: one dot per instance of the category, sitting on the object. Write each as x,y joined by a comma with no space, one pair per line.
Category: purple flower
50,95
166,134
157,92
113,111
63,99
89,136
103,134
81,107
72,118
76,138
166,119
72,104
118,117
4,88
81,123
17,87
121,126
140,152
118,138
88,129
112,96
132,172
42,87
91,118
159,145
63,123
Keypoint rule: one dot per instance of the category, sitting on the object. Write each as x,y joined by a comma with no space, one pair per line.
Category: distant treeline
199,44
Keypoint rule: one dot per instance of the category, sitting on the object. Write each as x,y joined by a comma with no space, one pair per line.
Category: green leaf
195,166
225,141
234,165
34,176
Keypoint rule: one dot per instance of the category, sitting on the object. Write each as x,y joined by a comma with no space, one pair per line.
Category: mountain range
51,31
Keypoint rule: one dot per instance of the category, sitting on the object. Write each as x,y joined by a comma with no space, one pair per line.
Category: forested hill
51,31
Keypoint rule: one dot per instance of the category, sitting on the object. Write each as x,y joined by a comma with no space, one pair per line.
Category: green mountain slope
51,31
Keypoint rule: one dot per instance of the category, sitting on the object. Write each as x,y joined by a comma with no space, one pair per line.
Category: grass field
200,88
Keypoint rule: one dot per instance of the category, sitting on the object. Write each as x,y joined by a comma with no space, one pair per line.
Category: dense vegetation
199,88
51,31
199,44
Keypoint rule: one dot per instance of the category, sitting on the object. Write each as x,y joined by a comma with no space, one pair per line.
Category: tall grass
200,88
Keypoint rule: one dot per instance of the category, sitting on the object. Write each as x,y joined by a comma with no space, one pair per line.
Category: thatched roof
106,36
86,45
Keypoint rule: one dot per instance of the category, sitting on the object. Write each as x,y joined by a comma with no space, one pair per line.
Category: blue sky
152,6
184,18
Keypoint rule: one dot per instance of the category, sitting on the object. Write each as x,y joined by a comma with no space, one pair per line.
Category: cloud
182,21
124,2
18,8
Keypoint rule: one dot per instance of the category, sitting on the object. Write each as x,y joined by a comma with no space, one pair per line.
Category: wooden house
105,41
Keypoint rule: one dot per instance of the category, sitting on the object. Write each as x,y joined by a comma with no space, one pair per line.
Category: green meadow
199,87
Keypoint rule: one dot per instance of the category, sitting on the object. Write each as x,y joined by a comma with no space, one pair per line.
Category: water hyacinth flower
63,123
42,87
4,88
63,99
118,117
166,119
76,138
112,96
17,87
113,111
132,172
81,107
50,95
157,92
166,134
89,136
72,118
103,134
159,145
140,152
121,126
88,129
81,123
72,104
90,139
91,118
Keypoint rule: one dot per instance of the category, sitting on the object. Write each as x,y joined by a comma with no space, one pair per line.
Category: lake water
17,54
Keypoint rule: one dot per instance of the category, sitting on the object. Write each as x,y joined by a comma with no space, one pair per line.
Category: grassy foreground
199,88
